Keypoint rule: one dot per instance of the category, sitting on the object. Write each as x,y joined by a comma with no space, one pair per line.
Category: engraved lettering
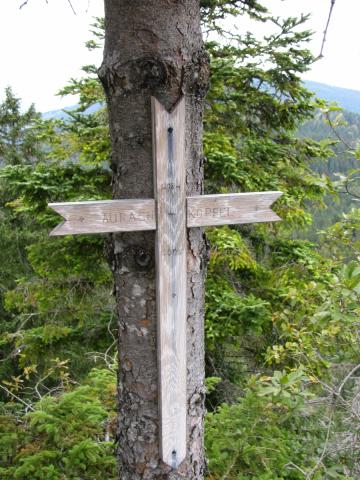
145,216
197,213
127,217
117,217
214,212
141,217
149,216
222,211
170,187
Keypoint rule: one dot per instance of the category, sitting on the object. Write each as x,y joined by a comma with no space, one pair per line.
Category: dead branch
321,54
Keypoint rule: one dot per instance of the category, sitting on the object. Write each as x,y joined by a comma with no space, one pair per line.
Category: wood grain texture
232,208
105,216
169,173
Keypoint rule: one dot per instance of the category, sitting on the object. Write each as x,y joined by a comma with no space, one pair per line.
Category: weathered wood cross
170,213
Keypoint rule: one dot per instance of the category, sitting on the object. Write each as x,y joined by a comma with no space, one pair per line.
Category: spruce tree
19,132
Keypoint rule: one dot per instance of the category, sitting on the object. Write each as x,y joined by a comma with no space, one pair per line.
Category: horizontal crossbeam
231,208
133,215
104,216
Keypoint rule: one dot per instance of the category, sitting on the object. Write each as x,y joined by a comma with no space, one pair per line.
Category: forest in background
282,302
343,128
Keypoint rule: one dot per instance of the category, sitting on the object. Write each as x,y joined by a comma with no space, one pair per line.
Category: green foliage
251,124
261,437
68,436
229,314
342,239
258,274
275,306
33,187
215,10
342,130
64,299
58,306
247,440
281,316
19,132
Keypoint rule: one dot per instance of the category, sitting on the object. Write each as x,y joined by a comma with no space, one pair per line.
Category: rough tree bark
153,48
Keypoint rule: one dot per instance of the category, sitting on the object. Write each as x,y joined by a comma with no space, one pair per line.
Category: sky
43,44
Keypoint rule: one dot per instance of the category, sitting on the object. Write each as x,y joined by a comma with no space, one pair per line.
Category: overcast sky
42,45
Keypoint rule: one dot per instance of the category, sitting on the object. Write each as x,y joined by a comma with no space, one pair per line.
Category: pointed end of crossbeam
274,216
231,208
58,230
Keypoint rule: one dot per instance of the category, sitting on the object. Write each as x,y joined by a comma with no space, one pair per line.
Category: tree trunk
153,48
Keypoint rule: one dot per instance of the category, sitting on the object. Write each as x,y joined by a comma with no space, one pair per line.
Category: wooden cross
170,213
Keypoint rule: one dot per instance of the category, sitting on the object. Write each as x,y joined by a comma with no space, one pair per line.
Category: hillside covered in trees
344,97
341,129
282,311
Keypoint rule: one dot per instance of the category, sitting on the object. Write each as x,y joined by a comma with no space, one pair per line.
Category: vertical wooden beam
169,185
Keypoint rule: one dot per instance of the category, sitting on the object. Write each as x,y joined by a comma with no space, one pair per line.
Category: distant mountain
62,115
343,161
58,114
347,99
